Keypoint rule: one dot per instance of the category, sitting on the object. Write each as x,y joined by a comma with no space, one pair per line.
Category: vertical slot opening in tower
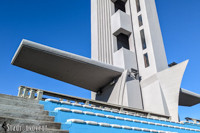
122,41
144,45
120,5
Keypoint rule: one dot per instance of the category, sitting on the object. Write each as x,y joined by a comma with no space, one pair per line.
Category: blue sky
59,23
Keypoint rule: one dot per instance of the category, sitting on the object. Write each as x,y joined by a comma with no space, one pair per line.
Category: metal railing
196,121
37,94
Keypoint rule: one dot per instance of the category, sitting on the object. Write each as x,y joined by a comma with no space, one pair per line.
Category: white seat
77,104
88,113
63,109
110,116
76,121
91,122
136,128
66,102
99,114
87,106
119,118
115,126
104,124
52,100
77,111
127,127
128,119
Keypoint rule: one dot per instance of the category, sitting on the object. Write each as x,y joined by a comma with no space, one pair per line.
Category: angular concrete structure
128,66
64,66
121,23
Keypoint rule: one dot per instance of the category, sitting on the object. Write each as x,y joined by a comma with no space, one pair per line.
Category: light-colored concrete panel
170,81
125,92
134,96
113,93
161,91
125,59
152,98
121,23
155,34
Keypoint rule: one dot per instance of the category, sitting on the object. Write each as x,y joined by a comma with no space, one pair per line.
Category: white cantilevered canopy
188,98
64,66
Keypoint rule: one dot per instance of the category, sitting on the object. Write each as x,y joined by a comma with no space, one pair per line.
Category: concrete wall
154,42
155,83
102,48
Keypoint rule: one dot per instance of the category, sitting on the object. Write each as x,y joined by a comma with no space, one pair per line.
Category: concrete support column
121,110
39,95
87,103
20,91
25,95
148,115
68,100
195,121
61,99
32,94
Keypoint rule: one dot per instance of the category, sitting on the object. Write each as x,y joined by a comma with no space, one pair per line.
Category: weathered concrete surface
22,109
25,115
18,98
25,112
20,103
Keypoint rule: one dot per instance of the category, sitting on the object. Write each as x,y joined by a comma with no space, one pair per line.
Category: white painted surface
121,23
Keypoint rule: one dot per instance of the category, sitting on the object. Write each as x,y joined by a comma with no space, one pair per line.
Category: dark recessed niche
120,5
138,5
122,41
146,60
144,45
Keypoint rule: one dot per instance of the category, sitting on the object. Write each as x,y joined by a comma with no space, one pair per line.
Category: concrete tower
131,25
126,34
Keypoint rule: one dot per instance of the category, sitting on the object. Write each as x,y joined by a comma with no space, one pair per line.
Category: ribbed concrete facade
104,40
101,31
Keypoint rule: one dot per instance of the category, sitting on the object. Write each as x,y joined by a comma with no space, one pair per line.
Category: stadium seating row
99,127
65,113
64,110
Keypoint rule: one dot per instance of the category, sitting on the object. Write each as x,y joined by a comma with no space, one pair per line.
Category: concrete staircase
21,115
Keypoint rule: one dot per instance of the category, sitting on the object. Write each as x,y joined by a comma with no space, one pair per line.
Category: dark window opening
122,41
172,64
146,60
144,46
140,20
138,5
120,5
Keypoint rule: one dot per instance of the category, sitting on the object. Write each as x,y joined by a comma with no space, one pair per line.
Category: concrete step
18,102
26,115
16,111
45,131
20,109
18,98
49,131
26,122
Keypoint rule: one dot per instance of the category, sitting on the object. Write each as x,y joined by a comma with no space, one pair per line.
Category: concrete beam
64,66
188,98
